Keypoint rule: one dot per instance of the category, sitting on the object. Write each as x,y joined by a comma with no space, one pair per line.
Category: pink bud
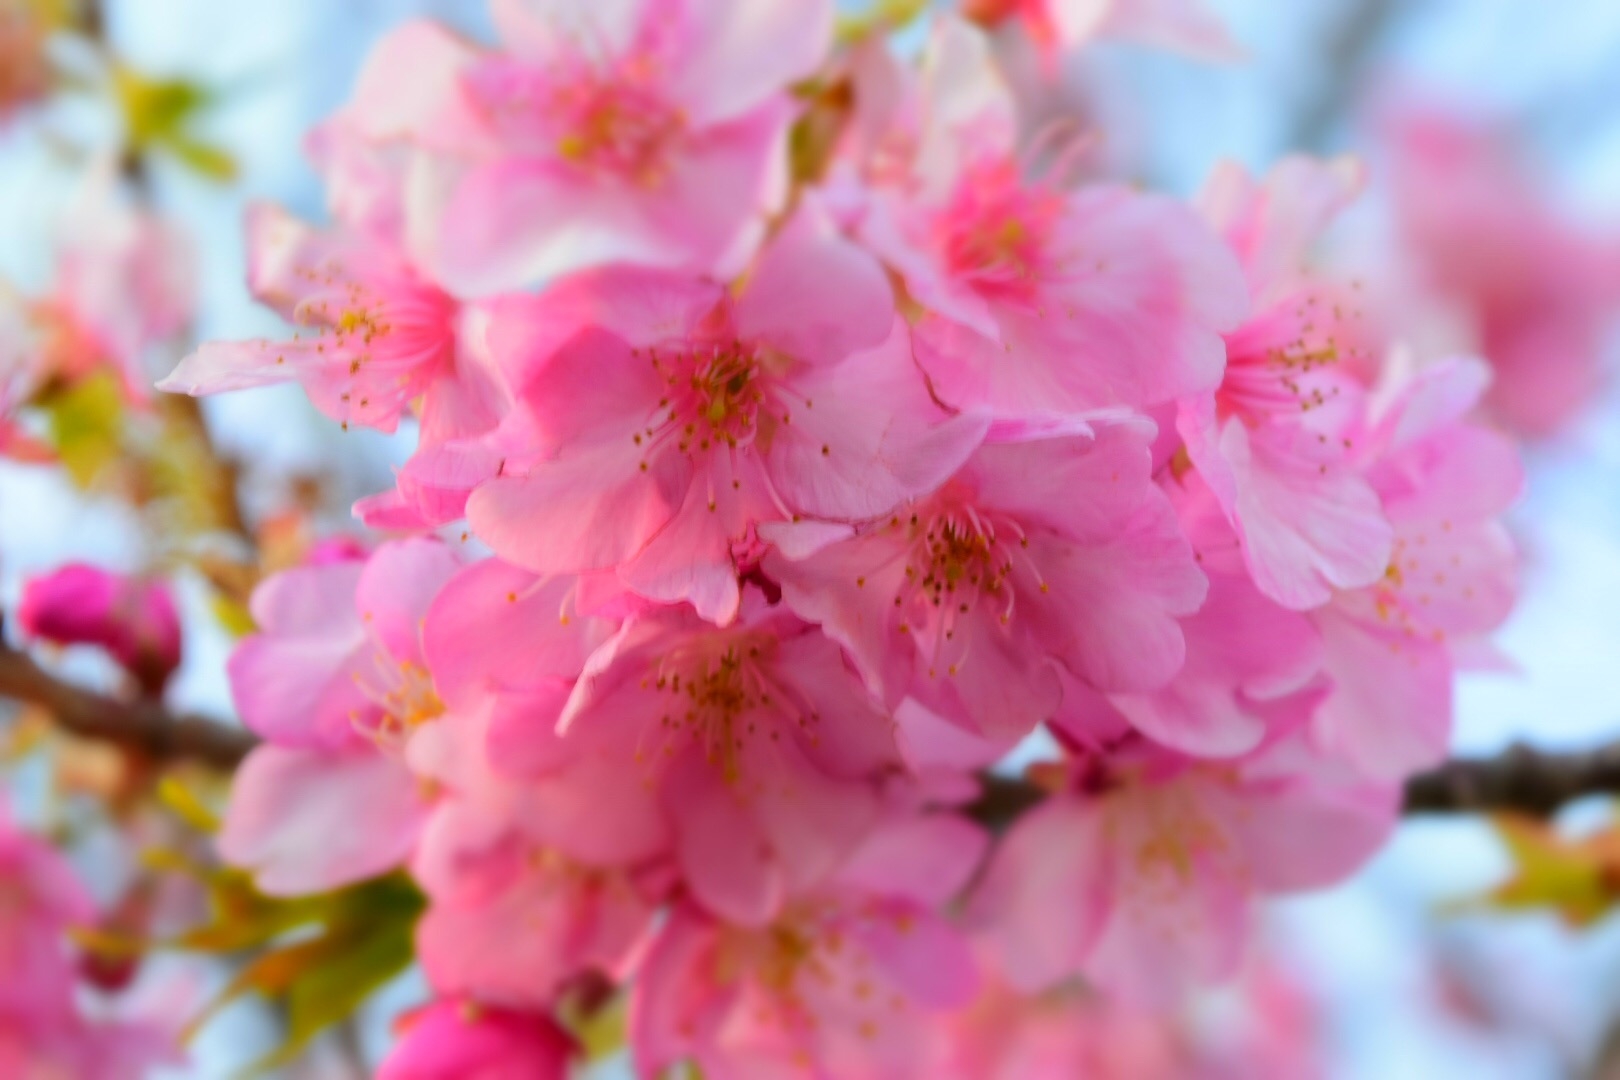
134,619
460,1040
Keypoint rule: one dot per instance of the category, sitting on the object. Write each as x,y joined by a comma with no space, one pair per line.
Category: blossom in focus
660,419
134,619
1033,299
1533,294
1050,551
1391,648
335,683
466,1040
1273,440
649,133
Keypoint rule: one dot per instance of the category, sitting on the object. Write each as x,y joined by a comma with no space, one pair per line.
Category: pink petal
398,586
306,821
737,54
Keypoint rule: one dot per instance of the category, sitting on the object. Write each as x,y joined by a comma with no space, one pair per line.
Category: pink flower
1532,293
1272,442
464,1040
40,899
378,341
762,747
336,682
1444,484
531,871
1141,868
649,133
1035,300
133,618
1051,551
1061,26
1246,657
124,282
852,979
660,419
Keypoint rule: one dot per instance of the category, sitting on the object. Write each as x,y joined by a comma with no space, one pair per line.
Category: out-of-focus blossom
1511,279
125,281
465,1040
854,978
1061,26
133,618
1142,868
45,1033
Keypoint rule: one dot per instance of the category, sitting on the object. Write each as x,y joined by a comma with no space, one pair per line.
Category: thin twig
143,726
1520,779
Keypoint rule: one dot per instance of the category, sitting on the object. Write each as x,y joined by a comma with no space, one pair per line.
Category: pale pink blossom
1451,579
1520,284
1034,299
1273,440
133,618
851,980
647,132
660,419
467,1040
762,746
40,899
336,682
1051,551
124,282
1141,868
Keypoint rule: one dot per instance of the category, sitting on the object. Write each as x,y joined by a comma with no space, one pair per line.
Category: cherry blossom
134,620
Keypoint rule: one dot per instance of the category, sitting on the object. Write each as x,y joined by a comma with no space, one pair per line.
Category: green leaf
1579,877
160,114
86,424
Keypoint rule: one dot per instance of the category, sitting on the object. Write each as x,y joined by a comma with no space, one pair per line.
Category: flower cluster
46,1026
796,447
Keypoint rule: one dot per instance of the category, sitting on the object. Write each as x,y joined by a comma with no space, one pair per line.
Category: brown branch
143,725
1520,779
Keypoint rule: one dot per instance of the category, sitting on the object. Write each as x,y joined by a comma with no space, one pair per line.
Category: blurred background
1406,977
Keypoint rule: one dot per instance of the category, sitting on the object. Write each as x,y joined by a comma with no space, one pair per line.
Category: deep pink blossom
852,979
661,419
133,618
466,1040
1034,299
1049,551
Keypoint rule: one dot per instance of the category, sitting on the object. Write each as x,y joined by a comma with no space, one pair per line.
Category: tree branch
1520,779
143,726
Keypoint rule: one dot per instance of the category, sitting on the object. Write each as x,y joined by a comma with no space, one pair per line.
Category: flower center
714,397
404,696
996,231
724,699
